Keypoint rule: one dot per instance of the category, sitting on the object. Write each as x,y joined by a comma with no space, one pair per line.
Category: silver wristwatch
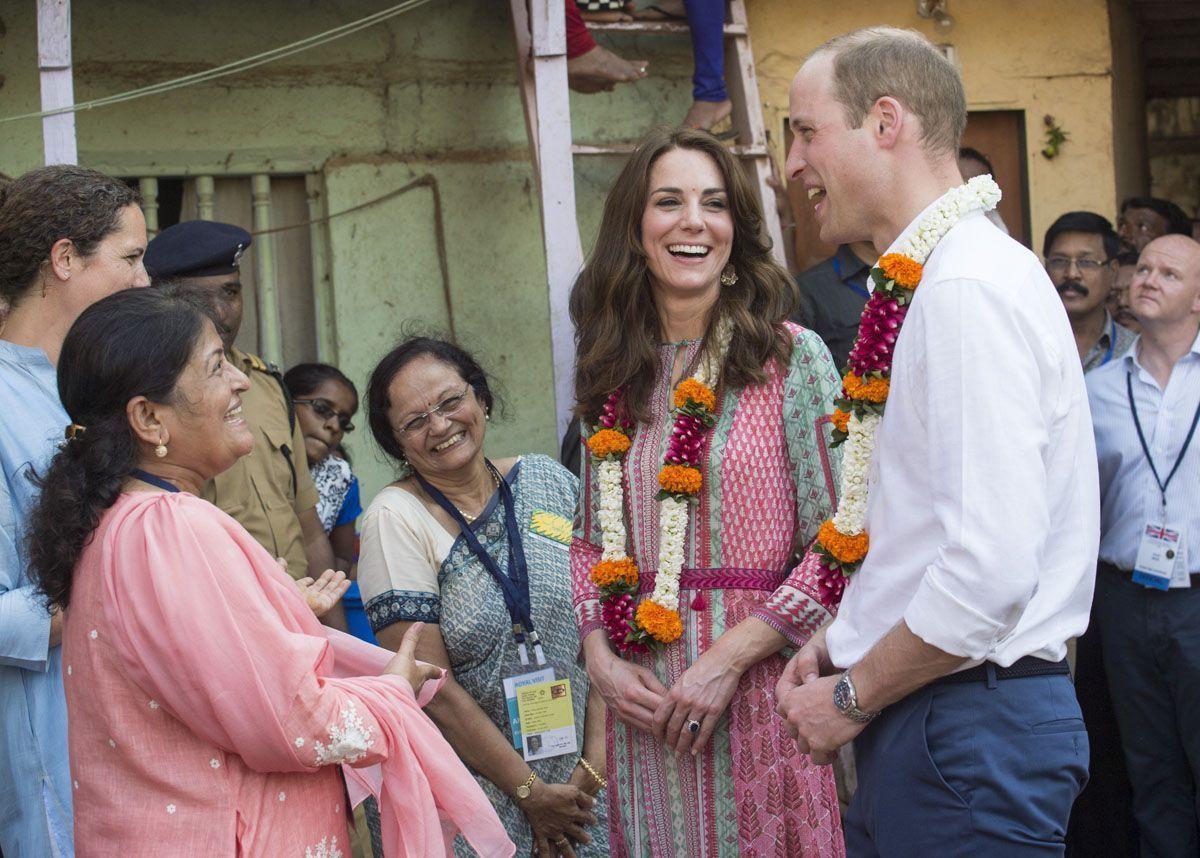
845,698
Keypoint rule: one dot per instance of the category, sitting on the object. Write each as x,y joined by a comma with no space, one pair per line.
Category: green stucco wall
432,91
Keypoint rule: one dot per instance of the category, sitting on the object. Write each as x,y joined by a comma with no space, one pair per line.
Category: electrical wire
230,68
428,180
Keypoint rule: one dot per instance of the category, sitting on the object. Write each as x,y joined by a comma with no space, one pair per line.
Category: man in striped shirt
1145,407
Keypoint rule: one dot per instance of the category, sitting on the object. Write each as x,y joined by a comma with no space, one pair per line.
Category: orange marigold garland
612,573
609,442
680,479
662,624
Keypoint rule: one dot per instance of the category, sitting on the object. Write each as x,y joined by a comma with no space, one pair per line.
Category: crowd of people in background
184,544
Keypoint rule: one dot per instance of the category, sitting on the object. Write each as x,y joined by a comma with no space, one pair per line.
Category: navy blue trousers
706,20
1151,641
976,770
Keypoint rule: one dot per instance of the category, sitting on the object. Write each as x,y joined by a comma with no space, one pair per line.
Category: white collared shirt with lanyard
1140,499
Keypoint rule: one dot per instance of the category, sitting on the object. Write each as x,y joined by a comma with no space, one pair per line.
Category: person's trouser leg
579,40
1102,818
1152,683
971,770
706,20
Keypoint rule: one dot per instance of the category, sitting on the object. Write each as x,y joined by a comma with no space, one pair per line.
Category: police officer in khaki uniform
269,492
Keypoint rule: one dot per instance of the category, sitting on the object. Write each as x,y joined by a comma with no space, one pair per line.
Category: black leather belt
1019,669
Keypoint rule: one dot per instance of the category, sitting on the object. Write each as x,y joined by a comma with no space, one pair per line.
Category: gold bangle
595,774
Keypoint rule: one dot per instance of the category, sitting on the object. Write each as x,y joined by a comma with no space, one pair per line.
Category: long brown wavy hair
617,326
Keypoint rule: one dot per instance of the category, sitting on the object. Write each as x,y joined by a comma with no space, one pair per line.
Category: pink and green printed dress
767,487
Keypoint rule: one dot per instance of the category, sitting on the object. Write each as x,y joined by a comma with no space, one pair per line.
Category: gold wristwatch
524,789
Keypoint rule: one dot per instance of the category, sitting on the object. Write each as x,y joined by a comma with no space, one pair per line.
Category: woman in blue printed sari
479,550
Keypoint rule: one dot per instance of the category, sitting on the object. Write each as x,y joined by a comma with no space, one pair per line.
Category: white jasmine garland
612,510
851,516
672,512
672,524
979,194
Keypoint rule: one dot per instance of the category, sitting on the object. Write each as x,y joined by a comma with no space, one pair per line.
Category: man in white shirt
983,503
1145,407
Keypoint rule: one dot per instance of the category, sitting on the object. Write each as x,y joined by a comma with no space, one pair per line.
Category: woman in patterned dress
698,762
428,403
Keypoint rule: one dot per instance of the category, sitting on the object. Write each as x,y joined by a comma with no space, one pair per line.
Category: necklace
842,542
470,519
633,626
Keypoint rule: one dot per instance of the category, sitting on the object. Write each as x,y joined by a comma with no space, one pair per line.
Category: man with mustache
1080,251
268,492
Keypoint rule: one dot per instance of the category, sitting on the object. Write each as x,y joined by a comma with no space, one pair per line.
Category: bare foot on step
706,115
600,69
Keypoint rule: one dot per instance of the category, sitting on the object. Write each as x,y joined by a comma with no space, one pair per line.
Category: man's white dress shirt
1130,495
983,501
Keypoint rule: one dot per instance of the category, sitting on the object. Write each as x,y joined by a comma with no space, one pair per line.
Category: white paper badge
1157,556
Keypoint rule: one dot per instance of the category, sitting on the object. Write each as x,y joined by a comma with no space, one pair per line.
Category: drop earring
160,450
729,276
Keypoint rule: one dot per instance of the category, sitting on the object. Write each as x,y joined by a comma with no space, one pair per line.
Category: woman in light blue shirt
68,237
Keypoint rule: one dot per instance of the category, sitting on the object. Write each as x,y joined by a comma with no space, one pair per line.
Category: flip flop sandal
601,5
725,135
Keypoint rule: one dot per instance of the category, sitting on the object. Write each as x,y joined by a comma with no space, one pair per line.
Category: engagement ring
693,726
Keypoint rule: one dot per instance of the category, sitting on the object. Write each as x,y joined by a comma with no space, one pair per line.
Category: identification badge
1160,551
511,686
547,719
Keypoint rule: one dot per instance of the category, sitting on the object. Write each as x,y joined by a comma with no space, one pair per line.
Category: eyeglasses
324,409
445,408
1058,264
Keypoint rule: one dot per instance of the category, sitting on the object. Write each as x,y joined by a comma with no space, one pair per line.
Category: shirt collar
849,264
29,355
905,233
1131,356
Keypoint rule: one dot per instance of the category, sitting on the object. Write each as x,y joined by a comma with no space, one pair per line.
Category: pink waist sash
722,578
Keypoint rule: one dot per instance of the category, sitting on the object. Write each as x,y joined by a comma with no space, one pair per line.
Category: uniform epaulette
258,363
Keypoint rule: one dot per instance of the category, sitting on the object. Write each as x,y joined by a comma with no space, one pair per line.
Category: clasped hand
559,815
804,696
637,697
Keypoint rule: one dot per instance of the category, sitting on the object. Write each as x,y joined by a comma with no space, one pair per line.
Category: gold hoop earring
160,450
729,276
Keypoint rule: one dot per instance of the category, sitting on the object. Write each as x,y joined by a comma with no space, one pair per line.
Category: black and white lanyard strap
1162,484
514,583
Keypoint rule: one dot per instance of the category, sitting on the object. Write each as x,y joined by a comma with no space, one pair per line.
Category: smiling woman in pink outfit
210,712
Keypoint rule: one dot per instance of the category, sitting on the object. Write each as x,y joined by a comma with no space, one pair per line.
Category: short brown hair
47,205
617,327
874,62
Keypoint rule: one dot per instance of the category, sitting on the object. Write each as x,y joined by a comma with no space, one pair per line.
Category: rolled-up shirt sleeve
24,619
983,403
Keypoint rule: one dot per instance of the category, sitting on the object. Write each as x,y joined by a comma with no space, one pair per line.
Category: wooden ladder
540,30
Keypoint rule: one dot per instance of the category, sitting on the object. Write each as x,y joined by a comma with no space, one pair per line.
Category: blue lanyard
150,479
1162,485
515,584
837,269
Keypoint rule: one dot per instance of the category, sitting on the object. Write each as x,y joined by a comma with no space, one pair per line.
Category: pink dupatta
207,621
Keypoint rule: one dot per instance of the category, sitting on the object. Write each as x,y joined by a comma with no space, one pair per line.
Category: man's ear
887,118
145,422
